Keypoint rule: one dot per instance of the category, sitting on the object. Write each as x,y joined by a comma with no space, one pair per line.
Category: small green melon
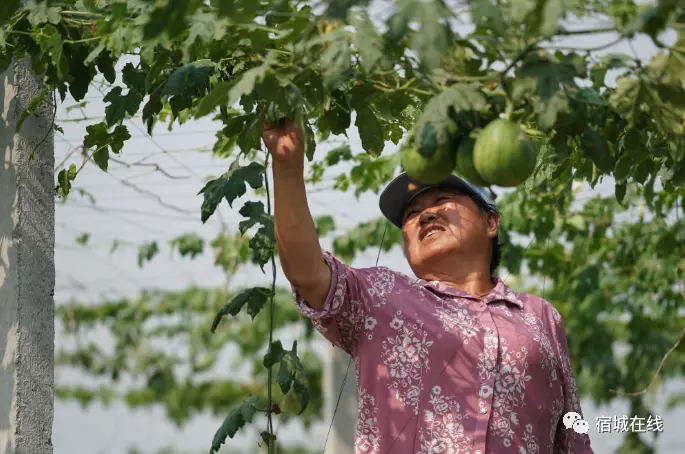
427,170
503,154
465,167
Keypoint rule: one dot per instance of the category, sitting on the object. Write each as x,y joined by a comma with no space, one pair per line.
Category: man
452,362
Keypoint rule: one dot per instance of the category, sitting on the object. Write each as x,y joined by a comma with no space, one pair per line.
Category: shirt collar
501,292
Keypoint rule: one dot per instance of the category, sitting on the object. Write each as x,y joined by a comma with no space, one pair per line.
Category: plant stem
82,13
589,31
272,438
84,40
533,132
589,49
509,109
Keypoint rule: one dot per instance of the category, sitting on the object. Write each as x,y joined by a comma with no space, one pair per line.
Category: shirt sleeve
342,318
568,441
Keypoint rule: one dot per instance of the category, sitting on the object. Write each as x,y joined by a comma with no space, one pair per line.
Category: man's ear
492,223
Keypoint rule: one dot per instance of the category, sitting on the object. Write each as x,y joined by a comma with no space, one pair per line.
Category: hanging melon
428,156
503,154
465,167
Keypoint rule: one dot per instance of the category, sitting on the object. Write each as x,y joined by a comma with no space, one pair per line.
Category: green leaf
336,117
135,79
433,38
488,14
436,126
255,298
146,252
5,61
64,179
263,244
615,61
7,10
188,78
369,43
82,240
623,165
226,93
398,23
118,137
121,105
620,191
341,153
627,98
169,17
596,148
291,373
230,186
206,27
40,13
255,213
324,225
190,244
105,64
97,135
545,77
101,158
539,16
653,20
309,142
373,234
337,9
234,421
460,98
50,41
80,75
336,60
274,355
370,131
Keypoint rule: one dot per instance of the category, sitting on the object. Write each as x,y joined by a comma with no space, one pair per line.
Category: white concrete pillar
27,267
341,438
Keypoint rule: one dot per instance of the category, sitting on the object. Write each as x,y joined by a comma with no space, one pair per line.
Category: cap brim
399,192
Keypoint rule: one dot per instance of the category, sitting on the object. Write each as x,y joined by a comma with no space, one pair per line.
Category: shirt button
483,410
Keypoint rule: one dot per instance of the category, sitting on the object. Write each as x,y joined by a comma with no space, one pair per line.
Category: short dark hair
495,244
496,254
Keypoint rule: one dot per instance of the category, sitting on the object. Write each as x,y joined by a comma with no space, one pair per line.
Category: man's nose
428,216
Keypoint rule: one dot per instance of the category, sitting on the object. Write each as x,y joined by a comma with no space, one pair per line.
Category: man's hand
284,141
298,243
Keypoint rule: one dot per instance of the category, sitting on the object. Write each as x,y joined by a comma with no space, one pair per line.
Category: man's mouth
429,231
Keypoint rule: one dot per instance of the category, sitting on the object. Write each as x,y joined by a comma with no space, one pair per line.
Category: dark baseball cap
402,189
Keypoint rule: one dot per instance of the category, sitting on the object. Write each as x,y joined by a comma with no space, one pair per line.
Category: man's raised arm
299,250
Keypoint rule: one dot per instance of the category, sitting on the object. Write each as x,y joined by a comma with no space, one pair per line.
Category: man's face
442,221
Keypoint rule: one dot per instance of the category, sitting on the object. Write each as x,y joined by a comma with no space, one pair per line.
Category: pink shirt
442,371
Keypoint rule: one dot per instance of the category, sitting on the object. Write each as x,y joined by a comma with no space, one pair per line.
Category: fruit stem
509,109
533,132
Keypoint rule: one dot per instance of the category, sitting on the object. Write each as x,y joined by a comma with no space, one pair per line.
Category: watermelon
503,154
465,167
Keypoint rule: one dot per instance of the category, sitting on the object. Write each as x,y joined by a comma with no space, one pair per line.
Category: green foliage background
612,266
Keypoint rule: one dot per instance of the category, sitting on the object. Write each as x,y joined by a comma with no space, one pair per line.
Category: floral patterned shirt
442,371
